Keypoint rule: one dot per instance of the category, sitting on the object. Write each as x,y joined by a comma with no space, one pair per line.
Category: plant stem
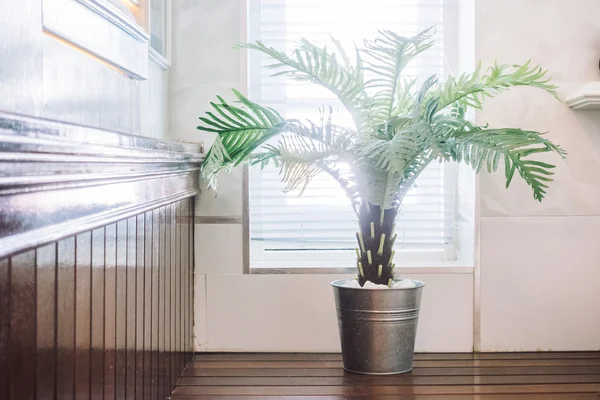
375,244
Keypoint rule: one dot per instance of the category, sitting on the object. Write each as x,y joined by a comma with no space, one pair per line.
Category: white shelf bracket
587,97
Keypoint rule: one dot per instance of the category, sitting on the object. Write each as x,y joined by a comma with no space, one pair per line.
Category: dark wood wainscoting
95,295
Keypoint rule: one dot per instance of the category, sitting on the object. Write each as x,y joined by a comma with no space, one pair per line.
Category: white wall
204,65
203,62
537,283
154,103
540,265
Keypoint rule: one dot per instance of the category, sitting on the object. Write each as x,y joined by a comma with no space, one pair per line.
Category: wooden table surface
486,376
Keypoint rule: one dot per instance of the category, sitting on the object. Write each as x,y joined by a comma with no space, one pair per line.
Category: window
317,229
158,31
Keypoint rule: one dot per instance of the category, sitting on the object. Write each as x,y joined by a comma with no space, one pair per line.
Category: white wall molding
117,18
587,97
122,45
158,59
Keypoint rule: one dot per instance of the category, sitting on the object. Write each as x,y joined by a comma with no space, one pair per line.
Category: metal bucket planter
377,327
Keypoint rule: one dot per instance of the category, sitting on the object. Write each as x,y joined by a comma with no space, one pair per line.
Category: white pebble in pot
353,284
405,284
371,285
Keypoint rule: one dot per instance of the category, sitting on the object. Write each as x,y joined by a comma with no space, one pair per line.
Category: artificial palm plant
398,129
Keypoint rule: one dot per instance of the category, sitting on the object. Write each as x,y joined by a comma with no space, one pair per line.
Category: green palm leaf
301,159
471,89
317,65
240,131
306,150
484,148
387,56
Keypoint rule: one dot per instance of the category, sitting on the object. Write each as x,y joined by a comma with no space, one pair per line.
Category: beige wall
536,286
540,263
204,65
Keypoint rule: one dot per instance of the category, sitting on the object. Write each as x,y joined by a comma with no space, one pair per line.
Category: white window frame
160,59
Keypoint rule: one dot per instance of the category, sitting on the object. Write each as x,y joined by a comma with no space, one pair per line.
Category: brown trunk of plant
375,245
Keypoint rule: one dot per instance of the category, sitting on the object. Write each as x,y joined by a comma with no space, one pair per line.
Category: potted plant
399,126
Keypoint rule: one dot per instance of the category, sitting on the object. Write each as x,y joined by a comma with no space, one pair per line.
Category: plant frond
387,56
404,138
325,131
216,161
317,65
340,49
380,187
398,130
391,155
394,165
240,131
301,159
347,181
385,162
340,141
411,173
425,105
404,96
484,148
264,158
470,90
307,149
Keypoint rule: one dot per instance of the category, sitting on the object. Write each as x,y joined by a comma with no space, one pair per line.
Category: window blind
317,229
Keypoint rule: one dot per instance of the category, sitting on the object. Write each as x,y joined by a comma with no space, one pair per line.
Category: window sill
457,269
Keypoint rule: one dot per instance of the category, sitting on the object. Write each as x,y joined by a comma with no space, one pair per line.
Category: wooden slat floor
486,376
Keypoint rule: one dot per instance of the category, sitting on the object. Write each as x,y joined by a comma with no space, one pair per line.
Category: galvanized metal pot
378,327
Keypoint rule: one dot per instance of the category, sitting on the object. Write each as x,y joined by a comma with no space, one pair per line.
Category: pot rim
339,283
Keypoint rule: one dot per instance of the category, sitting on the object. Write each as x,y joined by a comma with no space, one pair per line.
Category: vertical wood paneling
83,289
97,325
155,299
185,276
102,315
139,306
148,306
110,285
188,326
161,303
182,280
184,261
22,349
121,309
190,297
178,312
167,300
173,289
131,307
65,319
4,326
46,321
